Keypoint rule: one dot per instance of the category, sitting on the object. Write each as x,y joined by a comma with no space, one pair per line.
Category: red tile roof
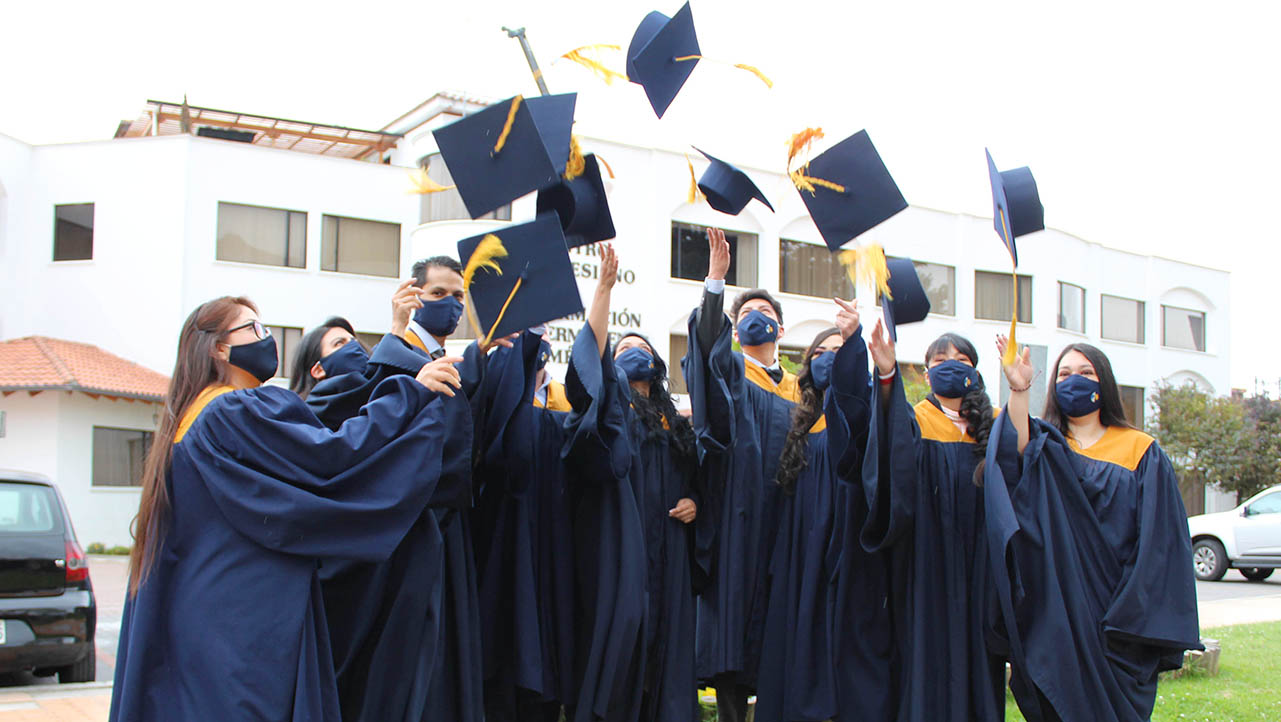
39,363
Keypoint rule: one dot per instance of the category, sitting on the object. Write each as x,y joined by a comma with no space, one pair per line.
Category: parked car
47,609
1247,538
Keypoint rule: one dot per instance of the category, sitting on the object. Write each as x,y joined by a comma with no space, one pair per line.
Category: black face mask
260,358
348,358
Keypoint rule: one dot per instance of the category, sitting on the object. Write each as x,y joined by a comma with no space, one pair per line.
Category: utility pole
519,34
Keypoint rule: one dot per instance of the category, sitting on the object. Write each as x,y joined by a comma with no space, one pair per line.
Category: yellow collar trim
412,339
209,394
1118,445
935,425
556,398
786,388
819,425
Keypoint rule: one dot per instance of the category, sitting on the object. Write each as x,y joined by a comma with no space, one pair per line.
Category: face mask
821,370
953,379
637,363
1078,395
439,318
757,329
258,358
544,354
349,358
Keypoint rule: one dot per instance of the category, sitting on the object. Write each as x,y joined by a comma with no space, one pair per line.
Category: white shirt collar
772,367
541,392
428,340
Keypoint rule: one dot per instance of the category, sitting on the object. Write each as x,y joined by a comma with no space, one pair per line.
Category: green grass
1247,688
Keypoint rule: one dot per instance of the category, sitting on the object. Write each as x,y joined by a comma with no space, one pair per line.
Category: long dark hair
658,407
976,407
301,382
195,369
1111,412
804,415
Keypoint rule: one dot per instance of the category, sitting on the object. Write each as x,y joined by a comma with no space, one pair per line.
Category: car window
27,508
1270,504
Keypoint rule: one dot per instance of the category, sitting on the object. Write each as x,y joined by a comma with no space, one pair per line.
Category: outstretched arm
598,316
711,314
1020,375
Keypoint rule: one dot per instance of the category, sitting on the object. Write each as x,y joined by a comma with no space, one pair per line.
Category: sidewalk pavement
87,702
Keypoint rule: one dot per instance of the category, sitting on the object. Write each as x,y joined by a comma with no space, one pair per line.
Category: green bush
100,548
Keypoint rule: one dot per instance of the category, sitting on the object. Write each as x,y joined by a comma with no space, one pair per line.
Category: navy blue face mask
757,329
259,358
821,370
1078,395
544,354
637,363
439,318
349,358
953,379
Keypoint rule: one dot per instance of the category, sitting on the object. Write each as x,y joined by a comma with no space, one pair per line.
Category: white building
112,243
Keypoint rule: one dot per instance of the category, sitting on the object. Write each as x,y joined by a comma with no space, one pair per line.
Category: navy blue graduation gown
826,648
229,624
1093,569
406,630
741,419
926,511
609,540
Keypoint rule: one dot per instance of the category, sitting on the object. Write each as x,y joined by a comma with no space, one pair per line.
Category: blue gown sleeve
503,411
287,482
889,468
846,406
597,426
713,381
336,399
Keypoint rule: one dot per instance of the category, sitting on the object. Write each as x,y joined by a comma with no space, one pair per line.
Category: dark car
47,609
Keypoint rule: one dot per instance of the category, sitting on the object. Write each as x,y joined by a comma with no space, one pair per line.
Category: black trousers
731,698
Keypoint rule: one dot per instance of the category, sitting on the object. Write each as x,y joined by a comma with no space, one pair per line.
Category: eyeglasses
259,330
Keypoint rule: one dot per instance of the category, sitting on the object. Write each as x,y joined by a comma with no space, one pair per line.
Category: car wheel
1255,574
1209,561
83,671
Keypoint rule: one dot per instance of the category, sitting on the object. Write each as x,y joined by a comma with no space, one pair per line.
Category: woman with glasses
242,493
1089,545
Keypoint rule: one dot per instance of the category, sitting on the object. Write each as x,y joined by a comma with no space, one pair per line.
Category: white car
1246,538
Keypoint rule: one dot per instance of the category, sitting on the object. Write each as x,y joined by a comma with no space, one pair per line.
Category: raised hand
403,304
608,268
847,317
504,341
718,252
1020,373
441,376
882,349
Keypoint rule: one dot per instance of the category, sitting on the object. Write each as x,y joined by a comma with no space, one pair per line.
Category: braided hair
806,412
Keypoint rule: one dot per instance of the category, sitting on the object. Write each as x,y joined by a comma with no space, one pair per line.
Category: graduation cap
518,277
727,188
1016,205
581,205
509,149
907,301
662,54
848,190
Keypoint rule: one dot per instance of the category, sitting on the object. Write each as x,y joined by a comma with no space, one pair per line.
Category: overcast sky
1151,127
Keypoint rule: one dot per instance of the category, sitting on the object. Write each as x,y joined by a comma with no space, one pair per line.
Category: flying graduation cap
847,188
727,188
507,150
906,301
1016,211
581,205
662,54
518,277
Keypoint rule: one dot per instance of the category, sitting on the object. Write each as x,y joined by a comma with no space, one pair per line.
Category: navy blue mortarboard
908,302
868,194
727,188
518,277
581,206
494,163
1016,205
652,56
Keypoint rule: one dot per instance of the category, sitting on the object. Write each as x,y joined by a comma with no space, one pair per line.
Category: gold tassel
507,127
486,255
800,142
578,55
575,166
741,66
807,182
490,336
424,184
865,265
694,193
1012,348
608,170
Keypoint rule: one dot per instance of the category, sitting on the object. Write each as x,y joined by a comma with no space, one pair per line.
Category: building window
118,456
287,340
939,282
448,205
1182,328
676,349
73,232
811,270
992,296
269,236
689,255
1132,401
353,245
1071,307
1122,319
